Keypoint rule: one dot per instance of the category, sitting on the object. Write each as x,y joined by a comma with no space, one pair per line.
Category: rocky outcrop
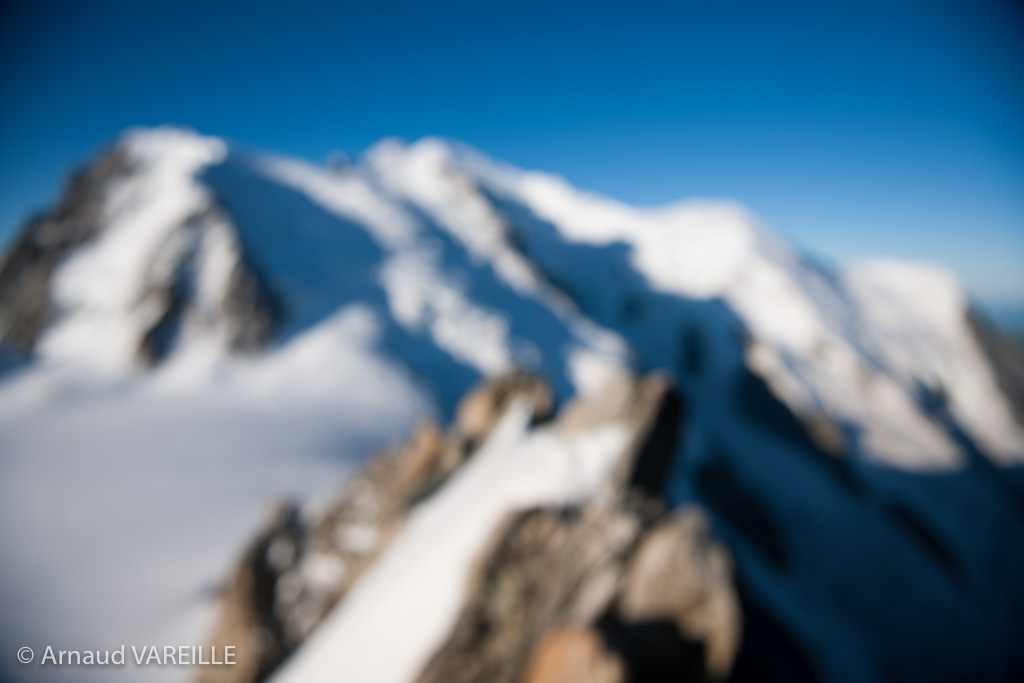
204,250
331,550
614,589
475,417
548,570
248,619
25,272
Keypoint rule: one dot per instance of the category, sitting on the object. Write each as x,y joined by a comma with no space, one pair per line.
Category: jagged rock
659,593
609,590
475,416
557,583
245,314
548,568
334,547
654,413
477,412
248,618
25,273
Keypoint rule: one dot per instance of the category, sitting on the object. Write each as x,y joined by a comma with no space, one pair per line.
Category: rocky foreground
612,588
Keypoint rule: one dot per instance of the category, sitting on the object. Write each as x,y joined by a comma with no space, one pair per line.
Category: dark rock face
248,619
247,310
250,308
614,590
679,576
651,588
25,273
549,569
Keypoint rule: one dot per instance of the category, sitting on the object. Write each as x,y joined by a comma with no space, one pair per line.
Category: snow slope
123,499
858,347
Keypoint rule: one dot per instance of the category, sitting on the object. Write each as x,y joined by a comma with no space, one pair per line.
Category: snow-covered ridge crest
500,267
822,339
100,291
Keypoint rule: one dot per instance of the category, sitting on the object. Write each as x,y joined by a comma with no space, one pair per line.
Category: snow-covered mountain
198,328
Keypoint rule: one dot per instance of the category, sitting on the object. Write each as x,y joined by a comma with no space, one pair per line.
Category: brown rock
247,616
477,412
679,574
573,655
271,606
551,568
607,591
548,568
25,272
419,459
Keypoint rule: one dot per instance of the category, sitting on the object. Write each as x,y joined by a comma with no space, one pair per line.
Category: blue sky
855,129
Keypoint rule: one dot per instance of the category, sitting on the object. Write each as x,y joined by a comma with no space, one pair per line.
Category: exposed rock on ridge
613,590
328,552
25,305
198,277
594,578
184,286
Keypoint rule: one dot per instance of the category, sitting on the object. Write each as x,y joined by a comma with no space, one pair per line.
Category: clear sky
855,129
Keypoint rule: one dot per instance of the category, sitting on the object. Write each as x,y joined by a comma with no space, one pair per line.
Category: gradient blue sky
855,129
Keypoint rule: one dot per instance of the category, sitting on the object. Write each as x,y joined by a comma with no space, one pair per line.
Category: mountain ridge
342,304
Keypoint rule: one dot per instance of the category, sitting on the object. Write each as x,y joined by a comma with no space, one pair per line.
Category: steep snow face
469,304
100,291
864,348
914,317
491,267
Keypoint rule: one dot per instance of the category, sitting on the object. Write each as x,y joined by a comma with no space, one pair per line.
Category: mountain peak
189,306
